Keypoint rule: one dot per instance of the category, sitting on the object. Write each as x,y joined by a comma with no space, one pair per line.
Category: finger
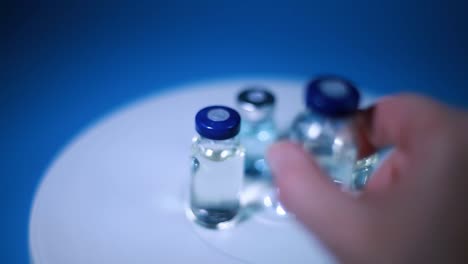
308,193
387,175
402,121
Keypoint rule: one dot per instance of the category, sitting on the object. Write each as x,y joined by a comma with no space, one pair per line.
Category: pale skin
415,207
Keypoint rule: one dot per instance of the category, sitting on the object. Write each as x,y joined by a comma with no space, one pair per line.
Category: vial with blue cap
325,129
256,105
217,167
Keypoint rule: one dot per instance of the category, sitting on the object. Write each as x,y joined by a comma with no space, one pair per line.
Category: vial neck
230,141
253,122
337,118
257,115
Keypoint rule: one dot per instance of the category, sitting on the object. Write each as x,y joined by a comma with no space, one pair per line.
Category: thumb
333,215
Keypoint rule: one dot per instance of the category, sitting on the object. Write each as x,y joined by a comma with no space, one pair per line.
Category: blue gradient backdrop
65,65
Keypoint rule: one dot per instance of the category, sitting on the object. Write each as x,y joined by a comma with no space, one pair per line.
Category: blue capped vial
256,106
217,167
325,128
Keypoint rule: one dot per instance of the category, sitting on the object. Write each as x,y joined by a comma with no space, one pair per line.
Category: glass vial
325,128
364,168
217,167
256,106
258,132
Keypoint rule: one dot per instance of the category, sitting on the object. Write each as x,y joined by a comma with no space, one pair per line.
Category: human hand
414,208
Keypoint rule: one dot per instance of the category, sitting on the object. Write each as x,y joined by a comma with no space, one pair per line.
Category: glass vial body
330,141
363,170
216,169
258,132
326,129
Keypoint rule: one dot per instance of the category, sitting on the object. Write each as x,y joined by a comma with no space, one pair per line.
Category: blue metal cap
332,96
217,122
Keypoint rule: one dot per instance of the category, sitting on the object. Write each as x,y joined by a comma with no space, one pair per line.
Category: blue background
65,65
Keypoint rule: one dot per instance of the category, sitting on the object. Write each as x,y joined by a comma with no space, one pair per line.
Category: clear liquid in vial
332,145
256,138
330,142
217,177
326,130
